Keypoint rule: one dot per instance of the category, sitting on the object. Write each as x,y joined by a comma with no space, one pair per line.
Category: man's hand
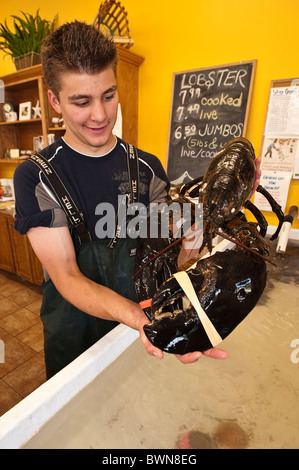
215,353
149,347
258,175
188,358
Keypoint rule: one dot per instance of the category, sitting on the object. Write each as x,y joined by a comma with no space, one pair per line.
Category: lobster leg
192,187
259,217
275,207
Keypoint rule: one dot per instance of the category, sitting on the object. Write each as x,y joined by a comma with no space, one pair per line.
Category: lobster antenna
164,250
157,255
244,246
217,233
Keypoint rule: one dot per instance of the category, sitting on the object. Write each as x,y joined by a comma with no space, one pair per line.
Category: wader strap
133,169
133,172
75,217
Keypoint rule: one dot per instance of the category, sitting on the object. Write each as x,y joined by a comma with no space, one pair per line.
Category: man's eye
81,104
109,97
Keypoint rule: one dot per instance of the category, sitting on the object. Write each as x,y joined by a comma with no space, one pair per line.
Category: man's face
88,103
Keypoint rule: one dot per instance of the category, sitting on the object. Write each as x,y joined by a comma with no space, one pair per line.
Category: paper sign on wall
277,184
280,147
117,130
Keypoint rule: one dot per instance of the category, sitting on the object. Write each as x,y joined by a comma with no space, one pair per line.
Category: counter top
7,208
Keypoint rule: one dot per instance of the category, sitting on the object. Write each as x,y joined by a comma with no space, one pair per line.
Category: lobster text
223,77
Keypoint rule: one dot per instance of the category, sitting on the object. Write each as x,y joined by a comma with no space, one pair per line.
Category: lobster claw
174,332
175,328
171,295
152,270
166,296
227,286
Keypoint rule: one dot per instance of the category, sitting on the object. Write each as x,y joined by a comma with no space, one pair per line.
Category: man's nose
98,111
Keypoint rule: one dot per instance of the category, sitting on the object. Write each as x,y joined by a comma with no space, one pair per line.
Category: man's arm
55,250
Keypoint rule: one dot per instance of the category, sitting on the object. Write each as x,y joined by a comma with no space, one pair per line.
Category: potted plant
24,43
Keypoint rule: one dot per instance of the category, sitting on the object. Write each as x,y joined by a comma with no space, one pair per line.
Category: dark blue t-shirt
89,180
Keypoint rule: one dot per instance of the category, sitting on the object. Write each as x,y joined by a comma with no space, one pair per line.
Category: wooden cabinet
26,263
127,85
6,251
16,254
20,88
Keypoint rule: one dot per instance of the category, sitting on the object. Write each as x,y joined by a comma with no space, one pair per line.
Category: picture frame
8,189
25,111
38,143
11,116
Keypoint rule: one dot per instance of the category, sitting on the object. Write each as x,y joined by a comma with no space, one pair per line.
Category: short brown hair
76,47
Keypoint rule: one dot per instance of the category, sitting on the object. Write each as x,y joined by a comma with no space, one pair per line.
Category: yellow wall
173,36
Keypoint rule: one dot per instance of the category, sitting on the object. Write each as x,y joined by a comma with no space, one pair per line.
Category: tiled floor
21,332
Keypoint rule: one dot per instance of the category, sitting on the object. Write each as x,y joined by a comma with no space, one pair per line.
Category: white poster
283,111
281,150
279,153
296,167
277,184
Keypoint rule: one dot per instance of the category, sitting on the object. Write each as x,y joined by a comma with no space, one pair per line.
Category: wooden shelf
23,121
4,161
53,129
13,161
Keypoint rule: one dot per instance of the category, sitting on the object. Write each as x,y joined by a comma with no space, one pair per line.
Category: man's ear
54,101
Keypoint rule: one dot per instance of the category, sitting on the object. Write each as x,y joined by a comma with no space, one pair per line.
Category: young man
88,286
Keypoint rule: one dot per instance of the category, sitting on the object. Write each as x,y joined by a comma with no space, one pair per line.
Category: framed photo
7,108
38,143
8,189
25,111
12,116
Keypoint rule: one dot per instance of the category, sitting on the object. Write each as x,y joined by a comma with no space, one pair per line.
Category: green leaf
29,32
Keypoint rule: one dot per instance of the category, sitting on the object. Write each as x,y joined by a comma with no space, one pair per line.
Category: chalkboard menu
209,108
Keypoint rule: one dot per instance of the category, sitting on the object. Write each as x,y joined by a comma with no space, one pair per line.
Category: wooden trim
32,73
128,56
43,110
24,75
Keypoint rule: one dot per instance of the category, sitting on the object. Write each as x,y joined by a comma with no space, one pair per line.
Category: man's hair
76,47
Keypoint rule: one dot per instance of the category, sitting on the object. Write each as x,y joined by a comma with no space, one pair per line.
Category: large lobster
194,310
